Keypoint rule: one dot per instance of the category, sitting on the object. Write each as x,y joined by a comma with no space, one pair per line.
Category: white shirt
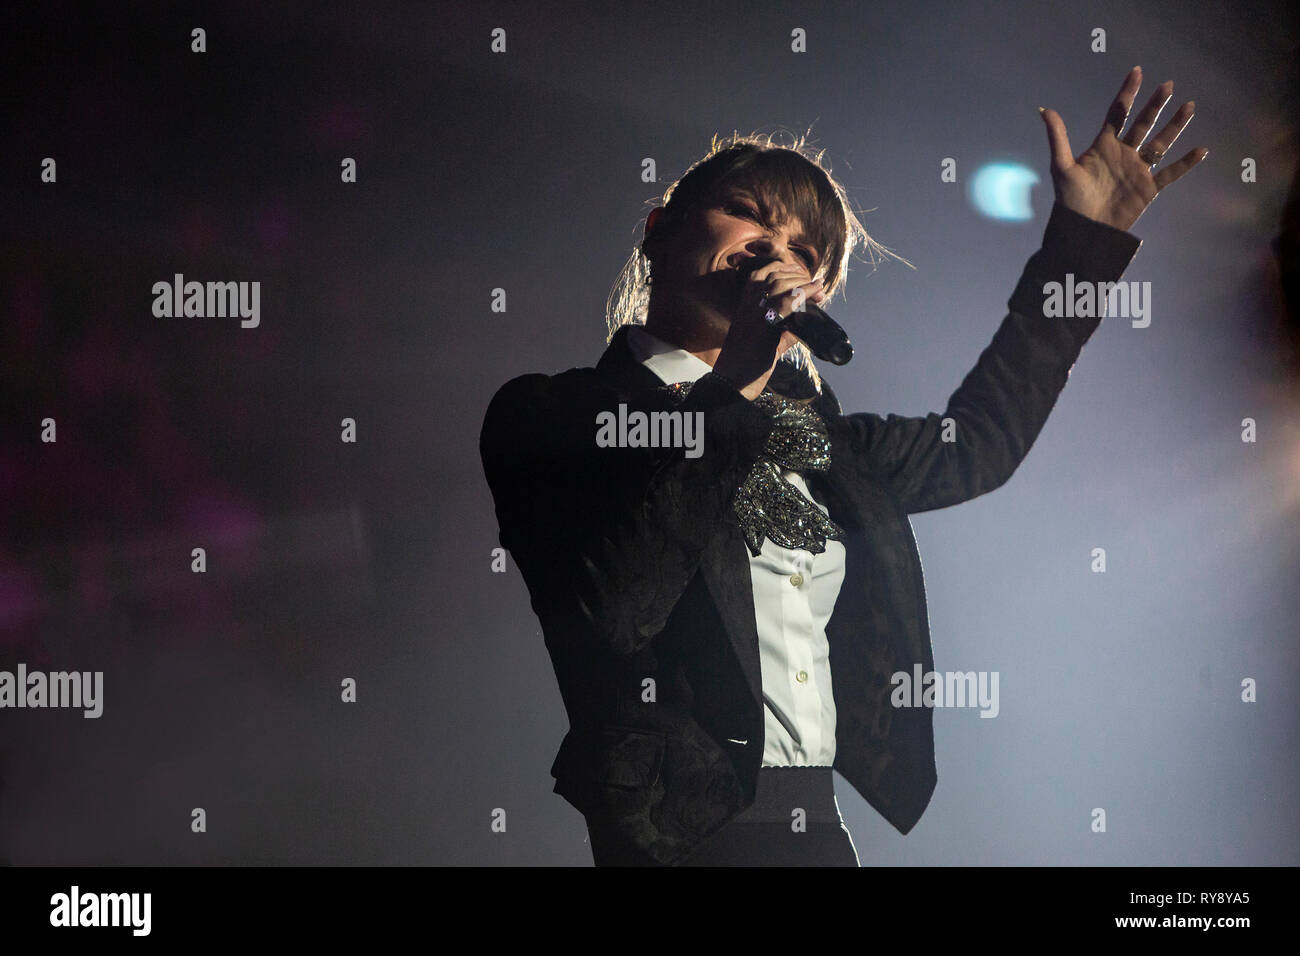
794,594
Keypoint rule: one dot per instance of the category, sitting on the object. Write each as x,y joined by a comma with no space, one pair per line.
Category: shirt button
801,677
796,579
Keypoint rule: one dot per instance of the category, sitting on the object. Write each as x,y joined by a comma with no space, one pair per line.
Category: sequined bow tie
767,505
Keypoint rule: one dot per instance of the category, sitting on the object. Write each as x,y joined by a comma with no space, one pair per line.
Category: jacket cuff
1073,244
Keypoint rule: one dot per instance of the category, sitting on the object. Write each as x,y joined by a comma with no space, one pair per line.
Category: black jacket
636,567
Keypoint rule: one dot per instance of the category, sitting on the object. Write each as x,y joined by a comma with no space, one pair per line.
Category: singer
724,627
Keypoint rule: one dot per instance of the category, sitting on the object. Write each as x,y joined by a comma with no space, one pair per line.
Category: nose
777,248
766,248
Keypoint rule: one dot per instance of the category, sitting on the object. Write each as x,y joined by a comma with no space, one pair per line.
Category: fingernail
1041,110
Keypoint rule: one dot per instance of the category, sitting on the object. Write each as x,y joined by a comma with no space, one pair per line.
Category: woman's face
697,269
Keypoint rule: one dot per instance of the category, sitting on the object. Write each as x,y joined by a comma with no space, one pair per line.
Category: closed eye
748,212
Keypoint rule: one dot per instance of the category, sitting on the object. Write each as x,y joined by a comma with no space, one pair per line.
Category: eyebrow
802,238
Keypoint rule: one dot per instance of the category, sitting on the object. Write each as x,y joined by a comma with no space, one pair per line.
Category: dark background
522,171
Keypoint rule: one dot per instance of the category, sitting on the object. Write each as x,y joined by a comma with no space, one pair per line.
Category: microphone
822,334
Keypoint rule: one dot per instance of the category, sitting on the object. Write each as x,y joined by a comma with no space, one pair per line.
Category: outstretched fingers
1150,113
1175,170
1164,140
1117,115
1057,141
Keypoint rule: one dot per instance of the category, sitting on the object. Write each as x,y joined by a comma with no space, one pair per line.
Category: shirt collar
670,363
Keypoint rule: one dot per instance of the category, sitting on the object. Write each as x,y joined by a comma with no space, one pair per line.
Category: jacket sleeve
607,539
1004,401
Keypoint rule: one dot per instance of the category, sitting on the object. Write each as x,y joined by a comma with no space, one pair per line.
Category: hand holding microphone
760,334
822,334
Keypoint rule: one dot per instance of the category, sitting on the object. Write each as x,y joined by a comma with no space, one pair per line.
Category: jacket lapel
724,564
725,567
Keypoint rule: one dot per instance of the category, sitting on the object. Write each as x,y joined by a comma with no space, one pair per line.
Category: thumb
1057,141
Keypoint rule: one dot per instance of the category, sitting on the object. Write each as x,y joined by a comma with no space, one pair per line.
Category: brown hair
790,180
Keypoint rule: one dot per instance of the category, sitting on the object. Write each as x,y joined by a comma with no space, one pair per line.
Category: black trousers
768,833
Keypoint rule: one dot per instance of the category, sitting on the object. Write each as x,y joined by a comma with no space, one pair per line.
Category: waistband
783,789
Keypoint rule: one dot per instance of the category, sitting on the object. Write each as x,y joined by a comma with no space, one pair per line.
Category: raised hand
1114,181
